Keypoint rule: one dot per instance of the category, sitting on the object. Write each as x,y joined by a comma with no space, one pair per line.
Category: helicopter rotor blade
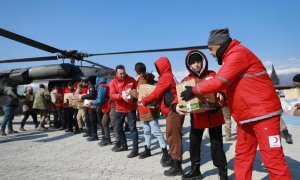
46,58
152,50
96,64
29,42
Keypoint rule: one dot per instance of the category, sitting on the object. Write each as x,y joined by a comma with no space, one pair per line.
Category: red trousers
265,134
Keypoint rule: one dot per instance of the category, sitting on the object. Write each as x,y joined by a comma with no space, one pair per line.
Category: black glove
187,94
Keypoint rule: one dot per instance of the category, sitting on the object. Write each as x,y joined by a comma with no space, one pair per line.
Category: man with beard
253,101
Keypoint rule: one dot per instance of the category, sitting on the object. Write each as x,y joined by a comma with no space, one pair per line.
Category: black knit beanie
194,57
296,78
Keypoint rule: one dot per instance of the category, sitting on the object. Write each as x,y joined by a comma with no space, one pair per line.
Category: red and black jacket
209,118
165,84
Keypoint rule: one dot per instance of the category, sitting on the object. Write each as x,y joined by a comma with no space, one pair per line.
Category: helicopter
63,71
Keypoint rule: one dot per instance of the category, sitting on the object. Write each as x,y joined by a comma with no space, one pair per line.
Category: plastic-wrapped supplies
289,106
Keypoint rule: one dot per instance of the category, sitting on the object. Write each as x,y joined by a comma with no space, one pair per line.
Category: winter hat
194,57
296,78
218,36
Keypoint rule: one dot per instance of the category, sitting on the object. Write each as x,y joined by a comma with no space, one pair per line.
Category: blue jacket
101,91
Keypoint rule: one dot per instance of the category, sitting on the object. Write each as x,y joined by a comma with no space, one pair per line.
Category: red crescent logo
276,139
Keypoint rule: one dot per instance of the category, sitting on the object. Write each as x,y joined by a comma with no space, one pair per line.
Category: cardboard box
196,104
292,93
145,90
68,99
87,103
72,100
76,104
297,112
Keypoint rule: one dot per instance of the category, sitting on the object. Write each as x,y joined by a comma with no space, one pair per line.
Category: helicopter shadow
23,137
59,137
37,136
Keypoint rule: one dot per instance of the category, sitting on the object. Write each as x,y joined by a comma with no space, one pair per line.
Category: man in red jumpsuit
253,101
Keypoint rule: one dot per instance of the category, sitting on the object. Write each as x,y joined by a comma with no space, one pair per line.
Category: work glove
187,94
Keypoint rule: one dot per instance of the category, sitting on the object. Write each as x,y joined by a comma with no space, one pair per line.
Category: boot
287,136
2,133
175,169
81,130
77,131
86,134
22,128
104,142
41,127
145,154
120,149
108,140
223,173
166,159
132,154
93,137
194,173
62,128
69,130
116,146
12,131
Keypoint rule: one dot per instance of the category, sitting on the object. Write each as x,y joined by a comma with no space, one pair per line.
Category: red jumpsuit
255,107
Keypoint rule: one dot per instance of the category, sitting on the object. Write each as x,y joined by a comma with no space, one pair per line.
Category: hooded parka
165,83
209,118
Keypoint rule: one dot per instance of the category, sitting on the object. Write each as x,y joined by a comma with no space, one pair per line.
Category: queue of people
256,112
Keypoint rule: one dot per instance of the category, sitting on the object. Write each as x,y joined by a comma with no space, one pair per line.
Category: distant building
274,76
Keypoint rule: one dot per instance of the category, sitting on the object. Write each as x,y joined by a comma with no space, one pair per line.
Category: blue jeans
152,126
131,118
9,114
